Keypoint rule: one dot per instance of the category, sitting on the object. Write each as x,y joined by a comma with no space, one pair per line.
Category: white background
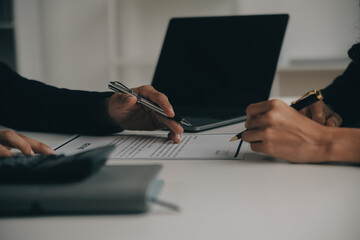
66,43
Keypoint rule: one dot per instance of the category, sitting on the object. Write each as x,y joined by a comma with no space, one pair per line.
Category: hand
28,146
276,129
323,114
128,115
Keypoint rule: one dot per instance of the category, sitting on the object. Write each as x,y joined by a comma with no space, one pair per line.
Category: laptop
212,68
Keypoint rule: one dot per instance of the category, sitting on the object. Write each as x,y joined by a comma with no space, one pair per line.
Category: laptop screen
226,62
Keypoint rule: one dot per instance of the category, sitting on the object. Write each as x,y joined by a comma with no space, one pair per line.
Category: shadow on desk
260,158
337,164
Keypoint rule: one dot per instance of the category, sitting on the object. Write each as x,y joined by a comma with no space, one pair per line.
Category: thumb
125,100
119,104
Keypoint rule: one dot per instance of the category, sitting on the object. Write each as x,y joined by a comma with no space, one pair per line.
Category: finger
38,147
258,147
256,109
12,139
268,135
260,121
168,123
273,149
256,135
306,112
334,121
262,107
126,100
174,137
119,105
303,111
273,144
4,151
157,97
330,123
317,112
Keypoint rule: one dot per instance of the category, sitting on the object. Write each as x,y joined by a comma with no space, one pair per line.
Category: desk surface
258,199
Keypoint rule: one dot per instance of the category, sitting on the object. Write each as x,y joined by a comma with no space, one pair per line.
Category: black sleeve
343,94
34,106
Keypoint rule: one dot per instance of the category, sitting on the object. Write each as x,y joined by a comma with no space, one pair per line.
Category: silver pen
119,87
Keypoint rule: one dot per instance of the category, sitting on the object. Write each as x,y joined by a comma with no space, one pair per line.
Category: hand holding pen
306,100
131,109
275,129
119,87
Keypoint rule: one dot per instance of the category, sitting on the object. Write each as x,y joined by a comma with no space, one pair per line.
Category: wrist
329,144
108,118
343,145
326,143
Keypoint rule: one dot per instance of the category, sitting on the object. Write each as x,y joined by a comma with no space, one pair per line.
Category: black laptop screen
220,61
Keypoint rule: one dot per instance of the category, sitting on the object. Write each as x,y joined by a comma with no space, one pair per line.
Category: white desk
221,200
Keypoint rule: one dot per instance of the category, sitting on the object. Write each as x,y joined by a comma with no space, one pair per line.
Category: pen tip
234,138
186,123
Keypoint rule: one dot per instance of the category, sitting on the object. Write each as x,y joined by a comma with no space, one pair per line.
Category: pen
306,100
119,87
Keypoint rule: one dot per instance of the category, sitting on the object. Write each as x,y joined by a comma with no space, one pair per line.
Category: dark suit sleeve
34,106
343,94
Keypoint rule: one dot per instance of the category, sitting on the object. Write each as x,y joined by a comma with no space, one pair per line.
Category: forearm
31,105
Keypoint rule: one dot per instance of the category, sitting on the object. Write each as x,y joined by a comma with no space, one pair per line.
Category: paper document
192,146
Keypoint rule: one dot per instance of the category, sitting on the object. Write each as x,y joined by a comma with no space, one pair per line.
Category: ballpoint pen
306,100
119,87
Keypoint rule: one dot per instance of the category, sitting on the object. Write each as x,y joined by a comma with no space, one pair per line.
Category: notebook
212,68
114,189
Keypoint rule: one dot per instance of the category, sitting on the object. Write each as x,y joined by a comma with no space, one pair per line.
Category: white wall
72,39
75,43
317,29
29,38
65,42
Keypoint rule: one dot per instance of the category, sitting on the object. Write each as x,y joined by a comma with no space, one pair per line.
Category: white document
192,146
